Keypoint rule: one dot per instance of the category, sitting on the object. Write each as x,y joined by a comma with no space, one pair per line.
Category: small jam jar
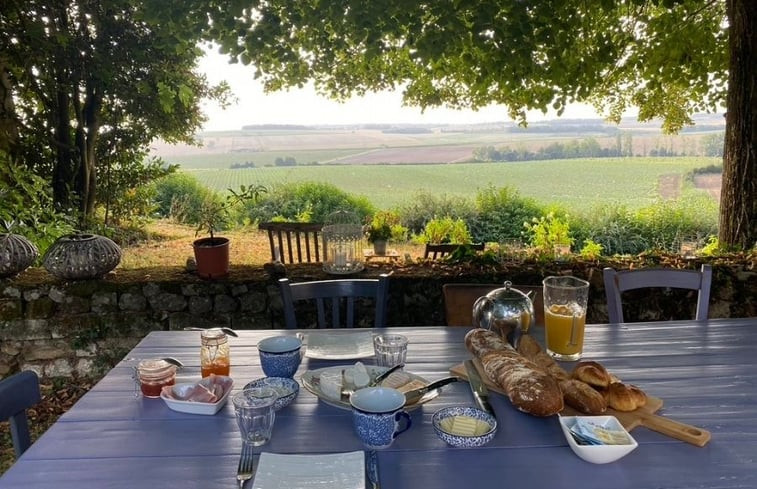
153,375
214,353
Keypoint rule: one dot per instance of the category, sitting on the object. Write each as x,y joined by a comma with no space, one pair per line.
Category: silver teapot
507,311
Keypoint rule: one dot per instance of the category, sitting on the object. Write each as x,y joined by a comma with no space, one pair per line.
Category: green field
577,184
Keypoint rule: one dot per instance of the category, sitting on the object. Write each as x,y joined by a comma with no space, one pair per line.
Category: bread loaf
583,397
529,388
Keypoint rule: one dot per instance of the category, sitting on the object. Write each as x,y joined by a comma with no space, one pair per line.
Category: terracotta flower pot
212,257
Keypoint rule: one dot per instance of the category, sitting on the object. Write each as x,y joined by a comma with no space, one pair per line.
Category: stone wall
85,327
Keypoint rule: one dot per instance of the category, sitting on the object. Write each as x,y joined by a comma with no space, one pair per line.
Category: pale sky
304,106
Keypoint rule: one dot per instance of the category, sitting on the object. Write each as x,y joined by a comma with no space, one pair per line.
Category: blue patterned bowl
280,355
286,388
462,441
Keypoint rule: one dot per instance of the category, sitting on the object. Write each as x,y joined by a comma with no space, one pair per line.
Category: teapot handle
482,312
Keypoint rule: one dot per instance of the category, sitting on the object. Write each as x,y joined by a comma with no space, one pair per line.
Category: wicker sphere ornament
82,256
16,254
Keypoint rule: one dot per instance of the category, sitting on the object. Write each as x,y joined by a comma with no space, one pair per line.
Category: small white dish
195,407
598,454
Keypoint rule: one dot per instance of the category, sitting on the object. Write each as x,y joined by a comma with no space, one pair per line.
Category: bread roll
528,387
592,373
583,397
624,397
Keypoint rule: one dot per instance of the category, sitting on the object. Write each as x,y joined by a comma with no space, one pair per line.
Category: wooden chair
294,242
435,251
338,294
459,300
18,393
617,282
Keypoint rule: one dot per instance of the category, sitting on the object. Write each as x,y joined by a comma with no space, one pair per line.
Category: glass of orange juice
565,300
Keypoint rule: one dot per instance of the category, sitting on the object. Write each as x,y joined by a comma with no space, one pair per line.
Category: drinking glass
565,300
390,349
255,414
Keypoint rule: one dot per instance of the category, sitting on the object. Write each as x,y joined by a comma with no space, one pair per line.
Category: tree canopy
87,86
91,77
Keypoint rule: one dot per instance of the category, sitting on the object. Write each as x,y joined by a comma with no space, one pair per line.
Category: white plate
194,407
311,382
342,470
336,346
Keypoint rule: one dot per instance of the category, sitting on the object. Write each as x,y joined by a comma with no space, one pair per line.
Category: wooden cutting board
644,416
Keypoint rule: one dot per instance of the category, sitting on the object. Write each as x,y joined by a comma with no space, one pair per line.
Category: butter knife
416,395
371,469
480,392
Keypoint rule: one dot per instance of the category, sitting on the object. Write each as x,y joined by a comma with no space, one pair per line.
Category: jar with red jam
153,375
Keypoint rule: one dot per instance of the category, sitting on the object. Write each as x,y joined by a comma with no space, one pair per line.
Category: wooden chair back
440,250
617,282
18,393
294,242
335,299
459,300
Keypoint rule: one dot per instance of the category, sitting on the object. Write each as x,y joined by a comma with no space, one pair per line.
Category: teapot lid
508,293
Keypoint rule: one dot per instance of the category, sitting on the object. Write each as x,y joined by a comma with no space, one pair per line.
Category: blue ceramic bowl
286,388
280,355
461,441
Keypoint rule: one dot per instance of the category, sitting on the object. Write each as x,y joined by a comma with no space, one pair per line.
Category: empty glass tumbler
390,349
255,414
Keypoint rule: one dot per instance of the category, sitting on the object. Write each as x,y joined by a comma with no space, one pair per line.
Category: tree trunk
8,126
738,201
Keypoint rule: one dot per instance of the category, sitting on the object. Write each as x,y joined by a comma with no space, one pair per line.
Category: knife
415,395
371,469
477,386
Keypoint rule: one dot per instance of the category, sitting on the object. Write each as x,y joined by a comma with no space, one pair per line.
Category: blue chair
619,282
338,294
18,393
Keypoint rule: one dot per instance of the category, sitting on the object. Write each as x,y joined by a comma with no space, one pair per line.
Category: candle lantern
343,243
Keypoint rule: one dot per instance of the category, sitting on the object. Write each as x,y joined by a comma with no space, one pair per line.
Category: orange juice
559,322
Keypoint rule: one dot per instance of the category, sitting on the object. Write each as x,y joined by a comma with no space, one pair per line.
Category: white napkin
332,470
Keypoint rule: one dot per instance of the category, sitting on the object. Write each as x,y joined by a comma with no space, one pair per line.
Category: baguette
582,396
528,387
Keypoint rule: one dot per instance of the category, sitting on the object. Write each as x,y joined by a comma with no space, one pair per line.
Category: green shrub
181,197
422,207
312,199
500,214
28,209
445,230
548,232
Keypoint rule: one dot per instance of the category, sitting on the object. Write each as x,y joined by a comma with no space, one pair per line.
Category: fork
246,465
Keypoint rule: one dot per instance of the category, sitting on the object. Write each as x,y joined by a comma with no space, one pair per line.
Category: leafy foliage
445,230
423,207
500,214
548,232
316,199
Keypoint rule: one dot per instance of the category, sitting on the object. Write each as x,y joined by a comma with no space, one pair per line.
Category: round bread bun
623,397
592,373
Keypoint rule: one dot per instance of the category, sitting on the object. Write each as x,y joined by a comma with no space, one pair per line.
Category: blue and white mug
280,355
377,415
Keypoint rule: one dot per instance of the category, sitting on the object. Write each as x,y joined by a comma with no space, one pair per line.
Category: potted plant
212,253
378,231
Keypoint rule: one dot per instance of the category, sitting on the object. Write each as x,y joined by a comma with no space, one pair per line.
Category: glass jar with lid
214,352
153,375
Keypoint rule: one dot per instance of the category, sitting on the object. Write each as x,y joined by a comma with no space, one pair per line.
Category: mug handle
399,416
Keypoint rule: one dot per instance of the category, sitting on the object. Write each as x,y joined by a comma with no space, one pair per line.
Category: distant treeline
276,127
711,145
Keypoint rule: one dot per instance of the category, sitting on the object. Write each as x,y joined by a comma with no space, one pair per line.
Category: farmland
390,168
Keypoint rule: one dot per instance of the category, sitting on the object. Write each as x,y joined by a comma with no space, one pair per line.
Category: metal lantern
82,256
343,243
16,254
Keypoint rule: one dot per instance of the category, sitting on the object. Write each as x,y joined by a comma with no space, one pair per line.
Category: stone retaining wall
85,327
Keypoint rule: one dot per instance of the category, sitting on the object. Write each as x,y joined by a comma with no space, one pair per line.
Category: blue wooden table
706,373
